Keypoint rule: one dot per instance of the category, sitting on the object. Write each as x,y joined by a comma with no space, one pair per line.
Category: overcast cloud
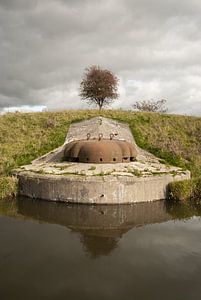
153,46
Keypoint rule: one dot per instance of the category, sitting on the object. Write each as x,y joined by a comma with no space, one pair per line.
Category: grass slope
25,136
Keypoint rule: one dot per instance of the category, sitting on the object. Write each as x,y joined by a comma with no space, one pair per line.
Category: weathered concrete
98,125
132,169
144,180
95,189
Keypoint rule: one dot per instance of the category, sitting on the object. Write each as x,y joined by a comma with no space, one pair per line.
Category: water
59,251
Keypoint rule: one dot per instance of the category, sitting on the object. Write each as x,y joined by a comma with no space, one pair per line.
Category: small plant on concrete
135,172
92,168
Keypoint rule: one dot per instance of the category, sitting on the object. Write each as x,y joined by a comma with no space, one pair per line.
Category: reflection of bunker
101,227
99,163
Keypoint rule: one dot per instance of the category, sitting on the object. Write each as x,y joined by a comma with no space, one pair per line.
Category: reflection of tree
101,241
96,246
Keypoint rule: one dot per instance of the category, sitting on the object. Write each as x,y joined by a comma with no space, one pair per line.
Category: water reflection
101,226
184,210
48,260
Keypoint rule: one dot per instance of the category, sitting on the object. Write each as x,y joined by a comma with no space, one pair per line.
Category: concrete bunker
99,163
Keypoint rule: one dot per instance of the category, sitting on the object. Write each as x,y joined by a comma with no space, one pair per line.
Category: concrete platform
108,189
143,180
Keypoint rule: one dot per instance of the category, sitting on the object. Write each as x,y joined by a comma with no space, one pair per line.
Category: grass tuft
185,190
8,187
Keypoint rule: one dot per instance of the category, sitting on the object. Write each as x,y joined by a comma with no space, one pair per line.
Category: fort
99,163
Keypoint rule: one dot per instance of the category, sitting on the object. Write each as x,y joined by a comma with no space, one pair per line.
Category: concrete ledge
108,189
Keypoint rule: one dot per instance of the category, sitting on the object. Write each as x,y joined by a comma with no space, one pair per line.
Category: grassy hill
25,136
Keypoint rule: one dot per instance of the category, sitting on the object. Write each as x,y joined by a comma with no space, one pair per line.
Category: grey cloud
18,4
153,46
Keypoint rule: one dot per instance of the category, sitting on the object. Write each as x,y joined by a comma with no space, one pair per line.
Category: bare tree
151,105
99,86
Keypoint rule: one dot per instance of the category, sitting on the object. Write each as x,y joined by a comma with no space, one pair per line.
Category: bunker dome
100,150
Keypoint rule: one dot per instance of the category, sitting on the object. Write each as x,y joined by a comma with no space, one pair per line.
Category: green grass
8,187
185,190
26,136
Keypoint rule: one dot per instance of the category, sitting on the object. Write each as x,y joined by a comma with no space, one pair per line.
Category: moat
140,251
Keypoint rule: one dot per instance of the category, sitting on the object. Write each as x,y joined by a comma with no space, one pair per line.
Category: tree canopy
99,86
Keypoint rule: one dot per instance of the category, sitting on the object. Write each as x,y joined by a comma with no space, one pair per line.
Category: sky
152,46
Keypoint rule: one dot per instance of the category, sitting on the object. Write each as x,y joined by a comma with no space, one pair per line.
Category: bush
185,190
8,187
151,105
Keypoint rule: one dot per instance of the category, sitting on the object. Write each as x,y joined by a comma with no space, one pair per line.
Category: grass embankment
26,136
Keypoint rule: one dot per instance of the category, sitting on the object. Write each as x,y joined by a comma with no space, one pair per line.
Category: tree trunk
100,104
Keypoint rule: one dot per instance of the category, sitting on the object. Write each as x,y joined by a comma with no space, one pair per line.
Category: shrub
185,190
8,187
